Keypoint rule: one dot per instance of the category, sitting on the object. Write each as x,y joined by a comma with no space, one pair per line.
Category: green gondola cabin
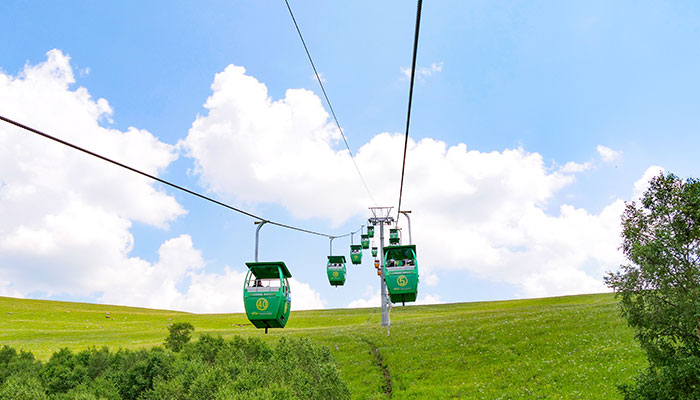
364,239
394,238
370,231
356,253
267,296
401,273
336,270
375,251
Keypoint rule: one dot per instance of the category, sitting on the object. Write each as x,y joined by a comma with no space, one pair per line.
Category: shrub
180,333
22,387
209,368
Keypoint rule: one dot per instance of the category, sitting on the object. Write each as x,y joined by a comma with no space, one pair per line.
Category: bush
209,368
180,334
14,363
22,387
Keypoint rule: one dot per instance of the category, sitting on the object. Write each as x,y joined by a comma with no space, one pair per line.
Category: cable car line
410,99
328,101
267,293
347,234
163,181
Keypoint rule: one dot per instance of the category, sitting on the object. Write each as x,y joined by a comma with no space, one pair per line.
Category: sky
532,124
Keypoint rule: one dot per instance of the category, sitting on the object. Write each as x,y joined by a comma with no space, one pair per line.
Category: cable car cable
163,181
410,99
328,101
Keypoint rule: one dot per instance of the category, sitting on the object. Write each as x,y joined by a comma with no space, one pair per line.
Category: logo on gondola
261,304
335,274
286,307
402,280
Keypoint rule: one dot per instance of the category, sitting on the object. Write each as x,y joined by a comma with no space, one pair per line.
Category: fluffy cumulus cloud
607,154
370,298
250,148
484,212
178,281
67,217
304,297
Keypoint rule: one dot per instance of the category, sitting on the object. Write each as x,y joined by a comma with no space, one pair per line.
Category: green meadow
574,347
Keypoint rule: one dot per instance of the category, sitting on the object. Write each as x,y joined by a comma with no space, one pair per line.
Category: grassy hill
553,348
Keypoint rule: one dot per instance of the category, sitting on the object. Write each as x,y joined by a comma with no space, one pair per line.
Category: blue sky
527,87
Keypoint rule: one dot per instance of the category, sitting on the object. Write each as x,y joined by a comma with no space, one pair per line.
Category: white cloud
156,286
573,167
422,72
7,290
642,184
66,217
476,211
429,279
607,154
485,213
370,298
428,299
304,297
249,149
135,282
560,280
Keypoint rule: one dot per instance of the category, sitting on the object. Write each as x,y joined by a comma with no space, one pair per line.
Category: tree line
209,368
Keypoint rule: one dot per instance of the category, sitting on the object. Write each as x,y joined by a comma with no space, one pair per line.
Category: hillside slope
563,347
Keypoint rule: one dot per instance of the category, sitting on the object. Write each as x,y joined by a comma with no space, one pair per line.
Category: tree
180,333
660,287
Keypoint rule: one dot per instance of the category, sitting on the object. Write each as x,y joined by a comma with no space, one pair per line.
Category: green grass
574,347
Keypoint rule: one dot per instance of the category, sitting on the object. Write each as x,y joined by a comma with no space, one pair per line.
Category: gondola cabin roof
398,252
268,269
336,259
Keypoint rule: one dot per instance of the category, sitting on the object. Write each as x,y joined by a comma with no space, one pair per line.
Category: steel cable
410,99
328,101
163,181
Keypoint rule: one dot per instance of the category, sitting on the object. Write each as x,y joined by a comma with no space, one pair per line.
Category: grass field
575,347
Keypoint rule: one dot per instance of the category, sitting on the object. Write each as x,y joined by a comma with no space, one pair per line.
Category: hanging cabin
356,253
267,296
394,239
364,239
401,273
336,270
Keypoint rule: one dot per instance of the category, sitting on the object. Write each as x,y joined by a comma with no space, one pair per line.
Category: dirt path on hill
382,366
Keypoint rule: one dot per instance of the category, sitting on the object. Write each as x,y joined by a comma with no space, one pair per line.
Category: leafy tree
62,373
14,363
660,287
180,333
